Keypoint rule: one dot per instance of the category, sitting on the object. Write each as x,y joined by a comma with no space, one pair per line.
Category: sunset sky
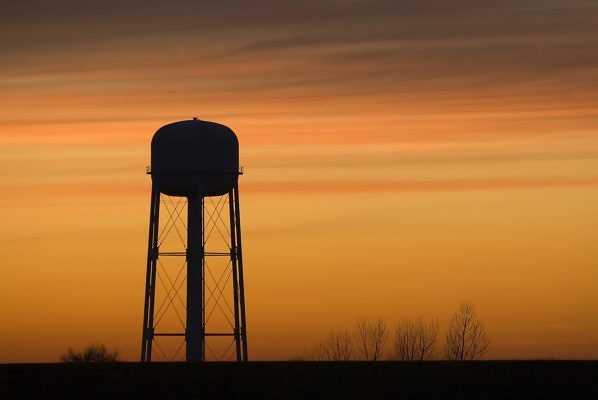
400,157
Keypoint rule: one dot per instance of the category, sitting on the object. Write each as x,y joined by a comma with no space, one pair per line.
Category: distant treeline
370,340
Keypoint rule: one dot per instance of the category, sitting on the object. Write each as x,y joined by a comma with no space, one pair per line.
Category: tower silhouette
194,166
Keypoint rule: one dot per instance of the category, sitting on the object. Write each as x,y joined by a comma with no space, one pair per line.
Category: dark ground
304,380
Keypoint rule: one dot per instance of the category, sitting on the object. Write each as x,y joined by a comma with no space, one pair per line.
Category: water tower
194,166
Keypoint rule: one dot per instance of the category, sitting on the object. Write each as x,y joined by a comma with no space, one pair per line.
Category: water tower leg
233,257
147,333
244,356
195,280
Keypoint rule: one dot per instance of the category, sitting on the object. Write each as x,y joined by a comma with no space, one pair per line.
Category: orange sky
400,157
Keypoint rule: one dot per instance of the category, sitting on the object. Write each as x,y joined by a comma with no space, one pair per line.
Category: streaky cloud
456,185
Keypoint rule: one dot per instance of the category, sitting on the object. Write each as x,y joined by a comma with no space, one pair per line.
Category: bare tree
466,337
337,346
415,340
93,353
371,337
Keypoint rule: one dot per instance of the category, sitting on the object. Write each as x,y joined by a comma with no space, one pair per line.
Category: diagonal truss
165,323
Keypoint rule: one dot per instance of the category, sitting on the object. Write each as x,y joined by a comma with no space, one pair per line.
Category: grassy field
304,380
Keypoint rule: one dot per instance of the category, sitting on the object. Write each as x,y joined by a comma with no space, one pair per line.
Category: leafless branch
415,340
371,337
466,338
337,346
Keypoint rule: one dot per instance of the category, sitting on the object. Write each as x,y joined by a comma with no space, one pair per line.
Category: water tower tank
194,157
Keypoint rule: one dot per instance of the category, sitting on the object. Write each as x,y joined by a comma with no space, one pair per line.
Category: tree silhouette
415,340
371,337
93,353
466,337
337,346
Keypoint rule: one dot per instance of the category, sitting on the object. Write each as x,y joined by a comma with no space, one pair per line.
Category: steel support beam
195,303
195,280
244,356
150,278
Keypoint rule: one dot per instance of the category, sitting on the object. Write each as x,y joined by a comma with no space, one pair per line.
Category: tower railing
148,171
